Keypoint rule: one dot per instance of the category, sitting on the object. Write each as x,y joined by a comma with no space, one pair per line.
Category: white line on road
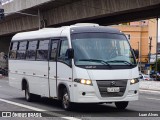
21,105
150,91
153,98
38,109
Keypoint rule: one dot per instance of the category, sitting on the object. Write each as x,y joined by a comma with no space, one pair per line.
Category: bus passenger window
31,52
42,52
63,52
54,50
13,50
21,53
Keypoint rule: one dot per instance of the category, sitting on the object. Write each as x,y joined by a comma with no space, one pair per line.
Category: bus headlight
83,81
133,81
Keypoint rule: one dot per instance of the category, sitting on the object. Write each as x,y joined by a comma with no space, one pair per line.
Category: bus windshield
102,49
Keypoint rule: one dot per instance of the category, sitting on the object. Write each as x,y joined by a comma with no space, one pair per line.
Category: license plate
113,89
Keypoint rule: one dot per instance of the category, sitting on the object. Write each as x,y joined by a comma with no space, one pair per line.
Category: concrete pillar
4,44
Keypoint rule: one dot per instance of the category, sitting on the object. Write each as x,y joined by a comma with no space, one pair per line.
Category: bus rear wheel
67,105
121,105
29,96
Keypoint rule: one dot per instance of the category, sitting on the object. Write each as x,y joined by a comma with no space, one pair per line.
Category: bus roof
38,34
56,32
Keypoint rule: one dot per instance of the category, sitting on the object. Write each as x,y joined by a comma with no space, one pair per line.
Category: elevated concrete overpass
65,12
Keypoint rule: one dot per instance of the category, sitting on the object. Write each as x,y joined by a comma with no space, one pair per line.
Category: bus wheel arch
61,87
64,96
24,84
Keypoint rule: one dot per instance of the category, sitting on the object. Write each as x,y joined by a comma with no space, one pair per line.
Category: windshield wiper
96,60
122,61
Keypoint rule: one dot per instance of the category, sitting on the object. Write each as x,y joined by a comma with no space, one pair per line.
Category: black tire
66,104
121,105
29,96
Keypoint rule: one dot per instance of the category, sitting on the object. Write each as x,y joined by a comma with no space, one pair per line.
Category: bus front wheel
67,105
121,105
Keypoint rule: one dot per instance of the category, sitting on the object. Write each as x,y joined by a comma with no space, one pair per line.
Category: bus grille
104,84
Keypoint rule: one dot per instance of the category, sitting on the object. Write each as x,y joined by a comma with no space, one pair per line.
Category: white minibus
81,63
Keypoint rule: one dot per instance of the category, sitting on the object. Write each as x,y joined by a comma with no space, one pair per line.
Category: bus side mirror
70,52
136,52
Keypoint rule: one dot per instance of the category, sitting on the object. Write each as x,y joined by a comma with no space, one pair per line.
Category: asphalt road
13,100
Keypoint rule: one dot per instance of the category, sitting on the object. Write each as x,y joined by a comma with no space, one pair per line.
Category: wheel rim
66,101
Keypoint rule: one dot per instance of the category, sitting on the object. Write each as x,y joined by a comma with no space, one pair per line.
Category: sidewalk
150,85
3,77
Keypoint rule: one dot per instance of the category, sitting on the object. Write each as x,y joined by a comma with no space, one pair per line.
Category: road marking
39,110
21,105
150,91
153,98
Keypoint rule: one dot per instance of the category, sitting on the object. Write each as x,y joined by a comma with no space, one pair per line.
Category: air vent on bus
86,24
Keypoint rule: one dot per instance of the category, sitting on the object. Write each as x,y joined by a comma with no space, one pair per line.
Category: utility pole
156,49
1,11
149,54
150,47
139,57
0,4
39,19
1,14
140,44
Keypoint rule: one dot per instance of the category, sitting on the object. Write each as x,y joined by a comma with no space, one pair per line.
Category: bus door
59,65
53,67
64,69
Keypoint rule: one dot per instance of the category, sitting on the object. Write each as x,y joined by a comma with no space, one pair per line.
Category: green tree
158,65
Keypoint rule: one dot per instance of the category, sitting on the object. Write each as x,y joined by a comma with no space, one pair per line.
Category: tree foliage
158,65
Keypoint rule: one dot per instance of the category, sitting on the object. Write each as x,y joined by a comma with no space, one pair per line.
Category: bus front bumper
91,94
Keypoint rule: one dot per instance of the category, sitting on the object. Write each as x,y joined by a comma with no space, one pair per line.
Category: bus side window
42,51
21,53
54,50
63,52
13,50
31,52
